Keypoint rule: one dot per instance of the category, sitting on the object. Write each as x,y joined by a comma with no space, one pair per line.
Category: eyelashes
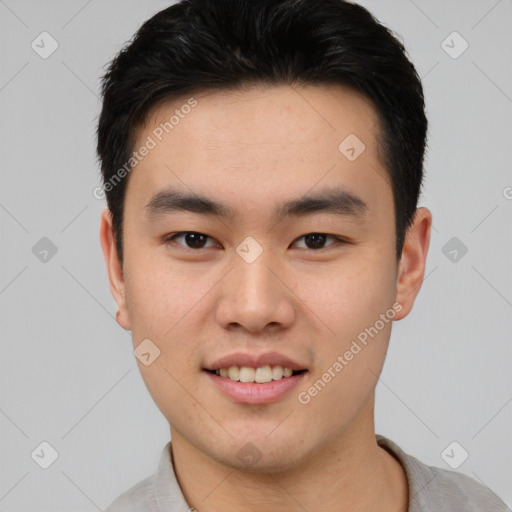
195,241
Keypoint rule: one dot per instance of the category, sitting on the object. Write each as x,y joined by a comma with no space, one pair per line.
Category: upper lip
254,361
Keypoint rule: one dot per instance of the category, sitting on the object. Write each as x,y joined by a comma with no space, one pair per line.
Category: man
262,162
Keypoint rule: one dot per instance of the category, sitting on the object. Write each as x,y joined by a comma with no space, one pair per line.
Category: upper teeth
261,375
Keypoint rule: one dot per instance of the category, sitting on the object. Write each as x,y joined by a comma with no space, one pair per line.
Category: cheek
164,304
347,367
161,304
354,311
157,295
350,296
173,394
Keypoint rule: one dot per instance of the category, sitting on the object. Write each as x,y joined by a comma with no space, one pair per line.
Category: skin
252,149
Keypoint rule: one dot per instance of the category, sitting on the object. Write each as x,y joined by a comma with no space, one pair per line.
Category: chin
268,463
259,454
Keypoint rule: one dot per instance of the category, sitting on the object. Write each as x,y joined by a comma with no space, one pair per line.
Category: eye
317,240
196,240
192,239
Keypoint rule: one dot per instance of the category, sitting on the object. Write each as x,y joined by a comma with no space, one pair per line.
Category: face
287,261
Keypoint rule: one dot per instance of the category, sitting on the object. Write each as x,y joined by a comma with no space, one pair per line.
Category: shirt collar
419,476
168,495
167,492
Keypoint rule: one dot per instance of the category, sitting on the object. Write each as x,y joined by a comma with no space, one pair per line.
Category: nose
255,297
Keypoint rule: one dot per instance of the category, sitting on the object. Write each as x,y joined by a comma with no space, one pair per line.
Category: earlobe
122,320
114,268
413,261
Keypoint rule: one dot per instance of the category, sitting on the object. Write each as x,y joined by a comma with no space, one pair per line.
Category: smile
260,375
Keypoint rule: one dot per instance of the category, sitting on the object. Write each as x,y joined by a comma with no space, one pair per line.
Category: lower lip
254,393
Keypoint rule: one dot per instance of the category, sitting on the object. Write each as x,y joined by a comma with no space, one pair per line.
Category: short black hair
197,45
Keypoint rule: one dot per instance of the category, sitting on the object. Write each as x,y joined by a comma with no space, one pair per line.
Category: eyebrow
334,200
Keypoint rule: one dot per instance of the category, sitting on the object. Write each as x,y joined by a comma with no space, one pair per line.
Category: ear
411,267
114,268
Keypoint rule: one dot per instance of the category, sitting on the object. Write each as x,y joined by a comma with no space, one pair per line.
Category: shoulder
440,490
460,492
157,493
139,498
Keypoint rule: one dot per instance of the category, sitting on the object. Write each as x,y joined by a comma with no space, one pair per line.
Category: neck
353,473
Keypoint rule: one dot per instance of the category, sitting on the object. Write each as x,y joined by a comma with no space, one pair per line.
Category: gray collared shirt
431,489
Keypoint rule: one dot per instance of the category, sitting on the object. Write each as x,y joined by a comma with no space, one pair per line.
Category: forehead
270,139
316,111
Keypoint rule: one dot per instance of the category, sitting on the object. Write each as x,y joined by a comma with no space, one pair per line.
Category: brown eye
317,240
192,239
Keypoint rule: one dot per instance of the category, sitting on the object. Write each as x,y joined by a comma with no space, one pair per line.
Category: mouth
259,375
255,386
246,378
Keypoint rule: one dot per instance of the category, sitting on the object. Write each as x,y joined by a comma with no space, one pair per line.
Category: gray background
67,372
